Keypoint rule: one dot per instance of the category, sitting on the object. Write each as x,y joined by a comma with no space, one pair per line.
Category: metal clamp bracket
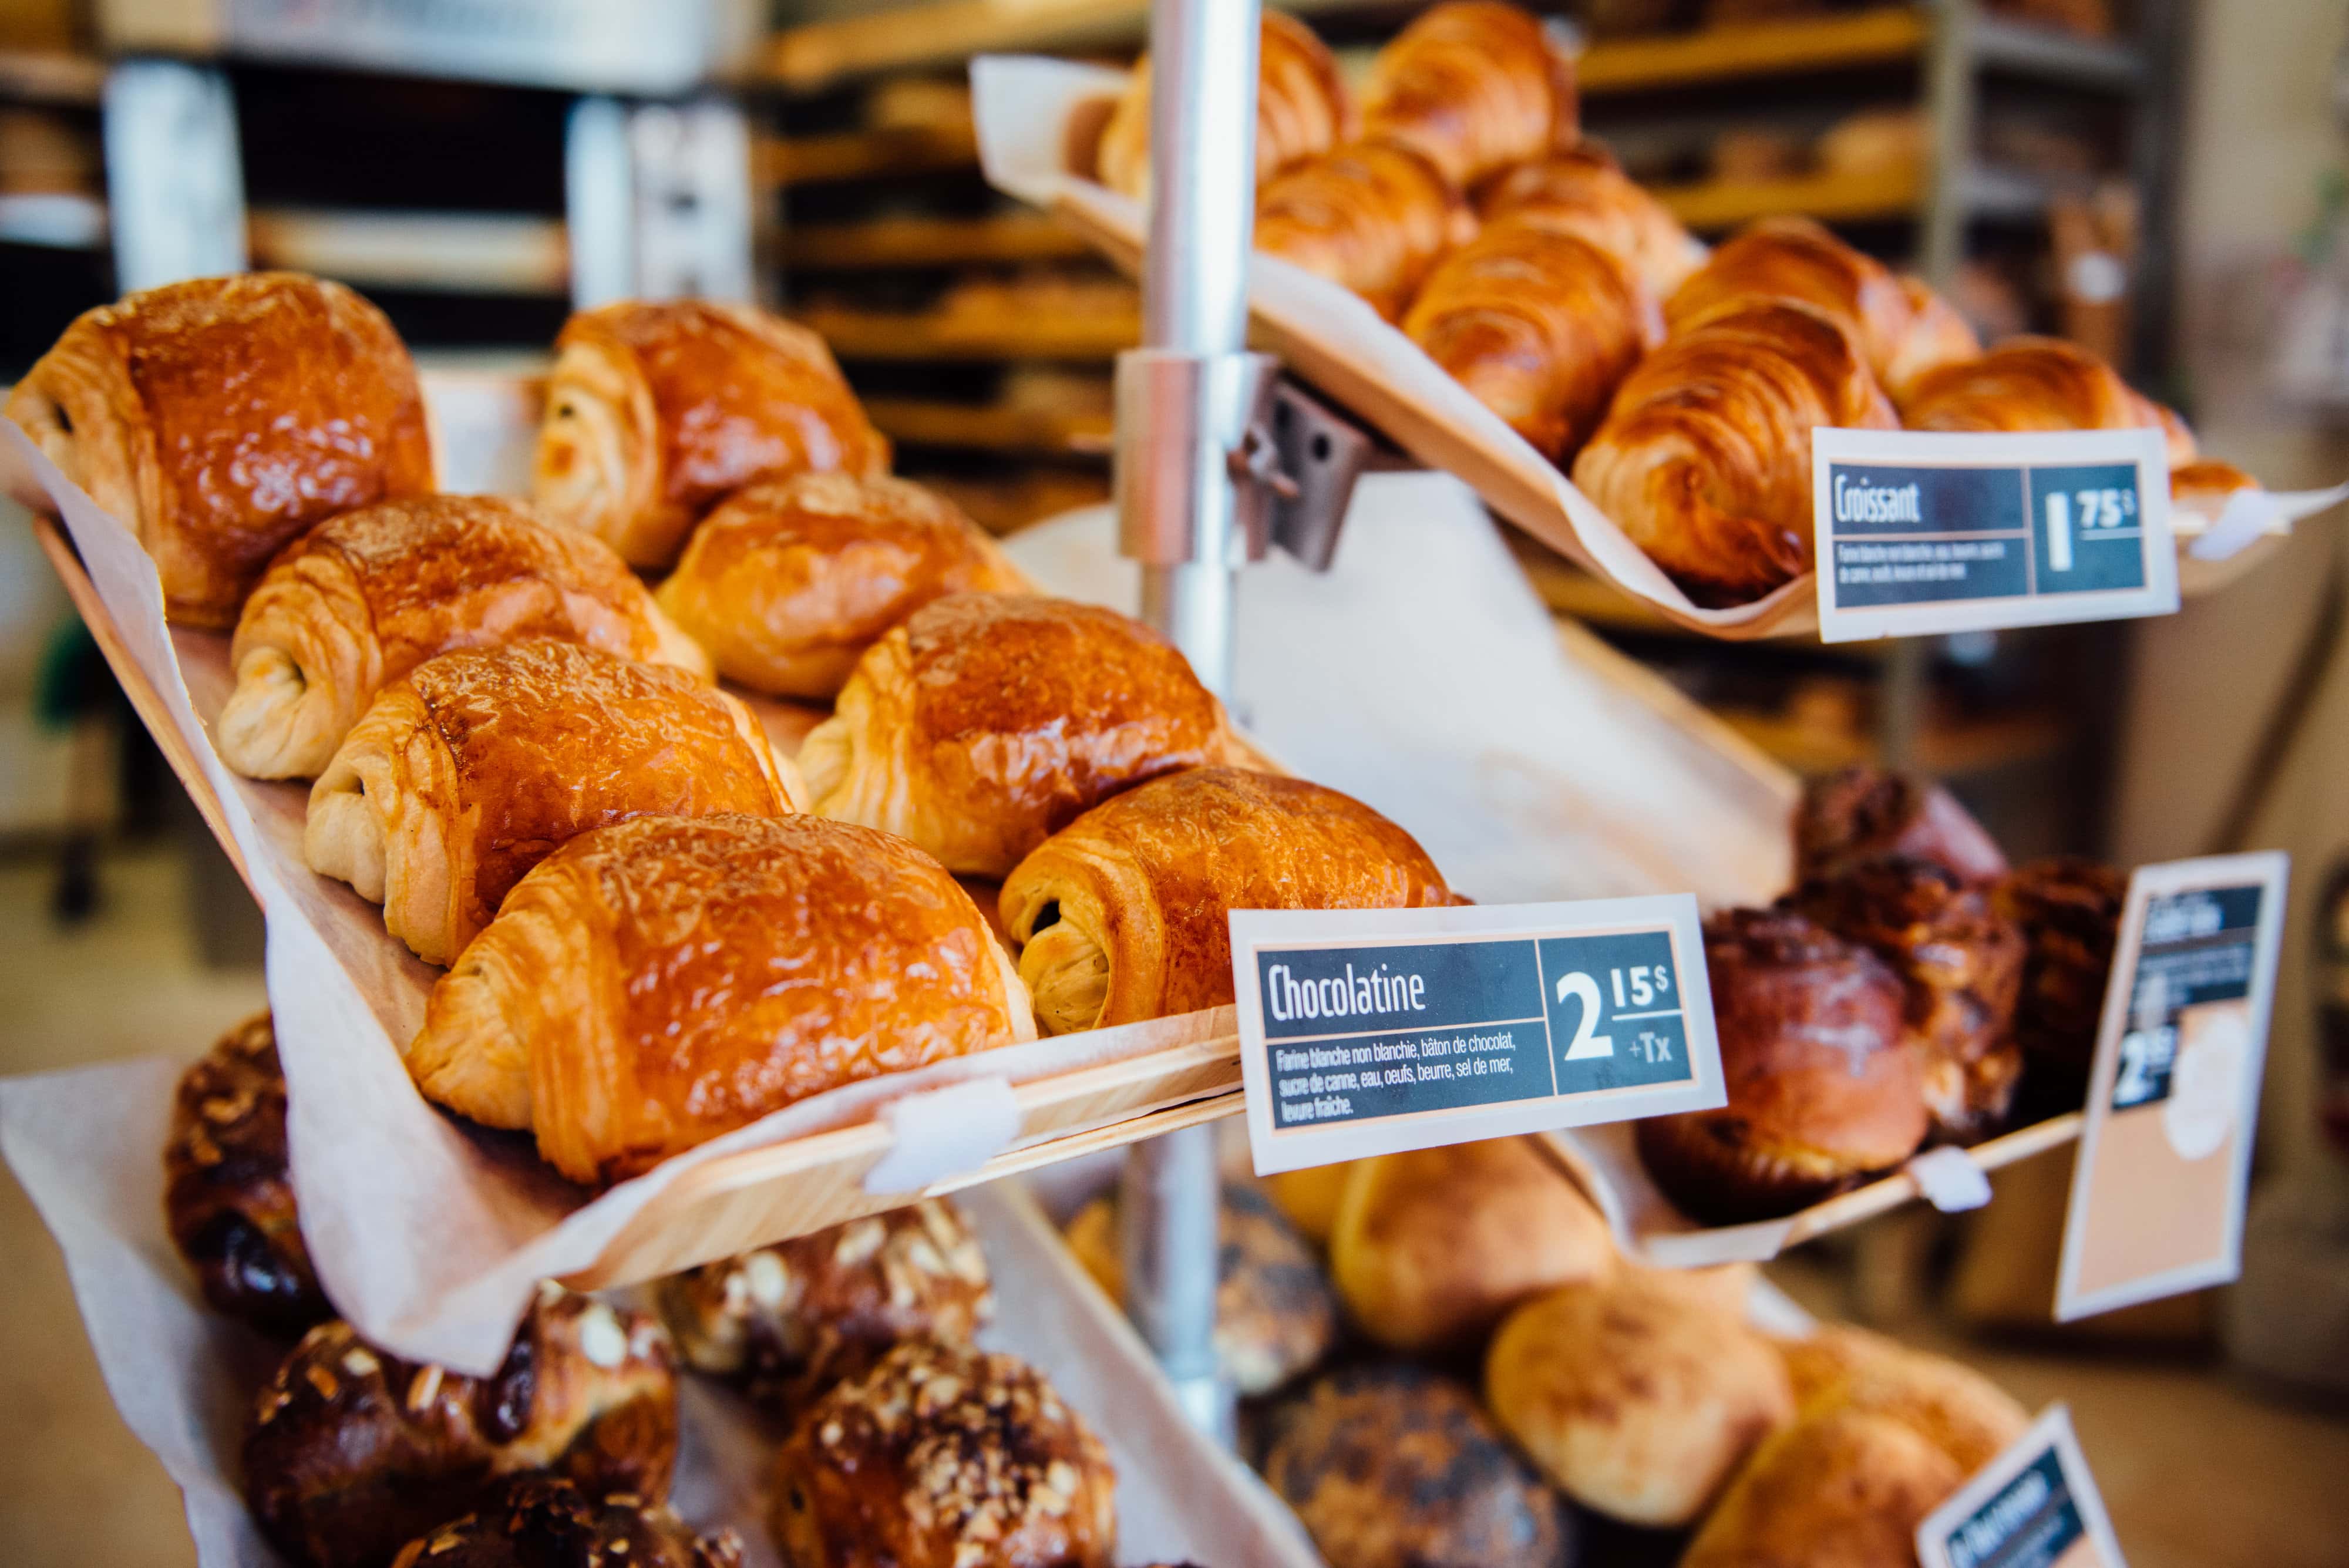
1316,456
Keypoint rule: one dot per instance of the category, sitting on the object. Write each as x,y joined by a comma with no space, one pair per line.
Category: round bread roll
1636,1399
1391,1466
791,1320
1949,1404
943,1456
544,1522
1824,1086
1842,1488
1433,1247
1276,1315
1311,1197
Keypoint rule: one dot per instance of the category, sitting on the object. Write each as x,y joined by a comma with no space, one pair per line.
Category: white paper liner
426,1235
88,1147
1024,109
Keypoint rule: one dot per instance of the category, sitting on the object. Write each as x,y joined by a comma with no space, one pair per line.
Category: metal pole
1184,400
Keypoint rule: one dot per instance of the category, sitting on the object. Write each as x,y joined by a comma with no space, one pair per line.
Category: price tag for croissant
1368,1032
2035,1506
2164,1163
1922,532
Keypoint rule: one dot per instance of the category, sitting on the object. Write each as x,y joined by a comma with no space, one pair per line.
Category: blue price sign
1923,532
1369,1031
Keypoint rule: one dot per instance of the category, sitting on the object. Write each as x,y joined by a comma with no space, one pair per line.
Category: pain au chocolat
472,767
1122,914
368,596
653,985
219,418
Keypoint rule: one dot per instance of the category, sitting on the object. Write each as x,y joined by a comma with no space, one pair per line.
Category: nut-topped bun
791,1320
1823,1085
1842,1488
1391,1465
352,1452
2069,910
943,1456
1275,1314
227,1195
546,1521
1635,1398
1433,1247
1962,966
1859,813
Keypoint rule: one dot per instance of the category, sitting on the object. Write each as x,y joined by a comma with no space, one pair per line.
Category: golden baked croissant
1540,327
1302,109
657,412
365,597
1369,216
986,723
788,581
1583,191
1123,911
655,983
2040,384
1704,460
219,418
1475,86
1935,336
472,767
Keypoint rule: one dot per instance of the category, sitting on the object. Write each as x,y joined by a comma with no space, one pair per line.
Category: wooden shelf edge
1848,198
1752,49
931,242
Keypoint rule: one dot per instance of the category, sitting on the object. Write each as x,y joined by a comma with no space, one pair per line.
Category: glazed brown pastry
1704,458
2069,911
1843,1489
1276,1315
1857,813
1370,217
1475,86
365,597
1541,327
1391,1465
1302,109
655,412
1631,1399
227,1197
2039,384
787,583
1583,191
1433,1247
945,1457
219,418
986,723
791,1320
546,1521
1958,1410
1824,1086
1962,964
469,769
351,1452
655,983
1124,914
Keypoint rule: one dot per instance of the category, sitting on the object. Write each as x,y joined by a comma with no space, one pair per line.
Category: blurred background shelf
460,253
781,162
945,335
1888,195
931,242
54,79
1005,427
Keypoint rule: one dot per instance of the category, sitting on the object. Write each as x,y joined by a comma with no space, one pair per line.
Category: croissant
1583,191
1797,259
219,418
2040,384
989,722
1475,86
1123,911
657,412
1539,327
469,769
1302,109
655,983
1370,217
1704,460
788,582
363,598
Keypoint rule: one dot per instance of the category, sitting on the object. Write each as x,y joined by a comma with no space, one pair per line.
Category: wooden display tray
738,1200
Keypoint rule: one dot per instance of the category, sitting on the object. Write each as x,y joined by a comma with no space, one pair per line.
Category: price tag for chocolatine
2165,1155
1921,532
1368,1032
2035,1506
